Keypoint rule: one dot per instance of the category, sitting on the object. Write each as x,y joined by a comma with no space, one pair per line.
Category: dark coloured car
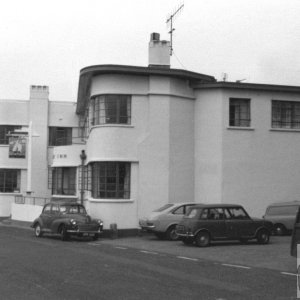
66,219
216,222
295,235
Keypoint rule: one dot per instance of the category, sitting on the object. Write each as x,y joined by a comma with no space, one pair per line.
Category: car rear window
166,206
282,210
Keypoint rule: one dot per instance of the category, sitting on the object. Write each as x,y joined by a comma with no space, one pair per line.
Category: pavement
274,256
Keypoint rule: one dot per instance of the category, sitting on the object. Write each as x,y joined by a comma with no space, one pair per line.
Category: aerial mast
170,22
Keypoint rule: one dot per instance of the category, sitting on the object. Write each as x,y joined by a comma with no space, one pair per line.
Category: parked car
296,235
283,216
211,222
66,219
162,221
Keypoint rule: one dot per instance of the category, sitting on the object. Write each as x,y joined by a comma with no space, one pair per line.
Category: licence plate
85,234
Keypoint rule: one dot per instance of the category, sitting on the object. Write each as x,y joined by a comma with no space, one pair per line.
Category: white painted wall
25,212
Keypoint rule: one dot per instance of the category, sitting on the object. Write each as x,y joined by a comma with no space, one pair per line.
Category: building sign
17,147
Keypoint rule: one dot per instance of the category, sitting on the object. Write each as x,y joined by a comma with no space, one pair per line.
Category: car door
46,216
54,215
295,235
215,222
238,223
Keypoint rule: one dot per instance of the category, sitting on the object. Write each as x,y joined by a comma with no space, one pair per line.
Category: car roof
67,203
216,205
296,202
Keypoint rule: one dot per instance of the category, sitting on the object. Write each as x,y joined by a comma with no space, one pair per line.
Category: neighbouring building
139,137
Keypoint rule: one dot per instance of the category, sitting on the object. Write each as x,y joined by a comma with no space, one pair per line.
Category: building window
60,136
10,180
4,131
111,180
285,114
64,181
239,112
111,109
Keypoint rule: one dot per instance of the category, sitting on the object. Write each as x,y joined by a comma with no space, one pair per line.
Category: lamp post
83,158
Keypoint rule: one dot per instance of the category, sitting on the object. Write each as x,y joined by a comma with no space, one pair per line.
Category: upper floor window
64,181
111,109
239,112
9,180
4,131
111,180
60,136
285,114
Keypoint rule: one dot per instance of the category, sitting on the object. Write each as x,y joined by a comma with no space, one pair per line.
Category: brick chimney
159,52
39,92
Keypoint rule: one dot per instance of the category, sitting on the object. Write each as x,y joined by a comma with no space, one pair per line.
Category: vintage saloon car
211,222
162,221
66,219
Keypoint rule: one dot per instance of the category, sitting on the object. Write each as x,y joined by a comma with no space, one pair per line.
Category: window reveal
239,112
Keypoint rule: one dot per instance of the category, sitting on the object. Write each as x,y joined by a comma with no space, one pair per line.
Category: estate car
66,219
162,221
211,222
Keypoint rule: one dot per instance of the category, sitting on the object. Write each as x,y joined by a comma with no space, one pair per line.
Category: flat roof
87,73
248,86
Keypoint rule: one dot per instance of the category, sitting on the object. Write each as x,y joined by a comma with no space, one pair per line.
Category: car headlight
100,222
73,222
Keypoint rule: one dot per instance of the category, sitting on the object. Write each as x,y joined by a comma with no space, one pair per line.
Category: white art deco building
140,137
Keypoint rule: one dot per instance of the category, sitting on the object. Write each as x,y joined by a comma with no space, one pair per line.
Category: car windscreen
166,206
72,209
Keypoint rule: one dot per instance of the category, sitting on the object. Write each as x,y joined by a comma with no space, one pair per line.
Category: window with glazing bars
239,112
9,180
4,131
111,109
111,180
64,181
60,136
285,114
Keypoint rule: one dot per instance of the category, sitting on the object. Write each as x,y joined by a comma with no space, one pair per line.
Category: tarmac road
141,268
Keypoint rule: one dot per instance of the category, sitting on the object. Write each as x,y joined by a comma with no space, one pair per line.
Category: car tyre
171,234
63,233
202,239
95,237
279,229
263,236
38,230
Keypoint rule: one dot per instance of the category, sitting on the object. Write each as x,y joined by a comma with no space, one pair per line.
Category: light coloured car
162,222
283,216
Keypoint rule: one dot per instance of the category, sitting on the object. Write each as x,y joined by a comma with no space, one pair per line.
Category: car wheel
188,241
202,239
171,234
38,230
263,236
279,229
63,233
95,237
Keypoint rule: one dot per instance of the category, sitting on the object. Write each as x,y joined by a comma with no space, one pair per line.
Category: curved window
110,109
111,180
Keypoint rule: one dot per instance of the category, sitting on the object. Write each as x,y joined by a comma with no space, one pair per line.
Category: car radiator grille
88,227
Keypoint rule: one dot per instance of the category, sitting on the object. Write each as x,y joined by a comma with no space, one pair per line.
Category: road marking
236,266
148,252
286,273
122,248
188,258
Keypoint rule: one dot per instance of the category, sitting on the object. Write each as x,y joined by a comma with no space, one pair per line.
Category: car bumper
185,235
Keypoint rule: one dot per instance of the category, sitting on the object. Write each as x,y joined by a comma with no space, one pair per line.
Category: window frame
58,181
239,104
287,116
12,184
5,130
102,111
105,184
56,140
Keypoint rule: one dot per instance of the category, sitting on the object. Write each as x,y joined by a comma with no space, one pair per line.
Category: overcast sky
47,42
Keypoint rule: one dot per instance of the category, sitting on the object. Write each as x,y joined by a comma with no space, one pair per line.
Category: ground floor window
9,180
110,180
64,181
